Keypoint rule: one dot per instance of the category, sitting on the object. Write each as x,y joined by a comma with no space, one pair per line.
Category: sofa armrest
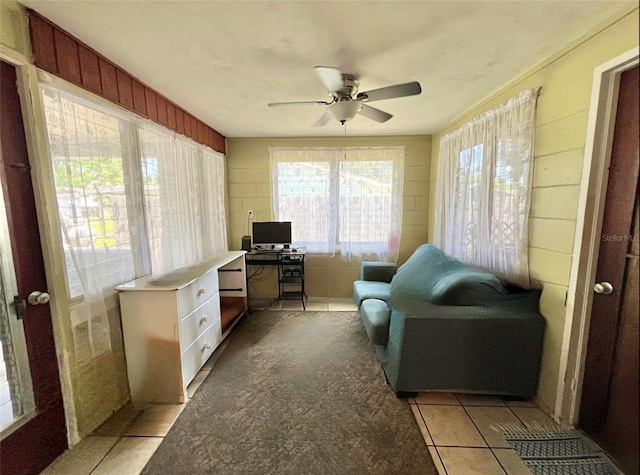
377,271
482,349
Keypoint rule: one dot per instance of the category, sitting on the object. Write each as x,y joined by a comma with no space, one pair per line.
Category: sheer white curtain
91,153
214,228
341,200
184,200
370,209
483,190
303,183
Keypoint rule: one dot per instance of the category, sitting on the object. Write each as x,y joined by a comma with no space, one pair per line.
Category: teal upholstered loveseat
438,324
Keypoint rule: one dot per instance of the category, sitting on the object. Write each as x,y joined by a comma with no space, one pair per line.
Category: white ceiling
224,61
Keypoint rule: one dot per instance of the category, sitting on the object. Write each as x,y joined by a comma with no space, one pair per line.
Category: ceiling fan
346,101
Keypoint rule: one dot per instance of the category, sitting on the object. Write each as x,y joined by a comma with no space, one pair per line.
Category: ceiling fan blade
330,77
374,114
298,103
324,118
391,92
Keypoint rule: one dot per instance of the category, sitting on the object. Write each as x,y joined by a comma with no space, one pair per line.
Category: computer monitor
272,233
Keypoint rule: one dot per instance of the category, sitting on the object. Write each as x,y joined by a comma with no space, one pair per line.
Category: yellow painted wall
561,125
249,188
14,29
96,388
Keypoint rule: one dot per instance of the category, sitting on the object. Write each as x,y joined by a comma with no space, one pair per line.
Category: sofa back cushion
442,280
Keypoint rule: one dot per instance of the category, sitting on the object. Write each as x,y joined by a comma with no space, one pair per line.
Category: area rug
557,452
295,393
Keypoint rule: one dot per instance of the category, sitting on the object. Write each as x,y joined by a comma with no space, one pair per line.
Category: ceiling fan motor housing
349,90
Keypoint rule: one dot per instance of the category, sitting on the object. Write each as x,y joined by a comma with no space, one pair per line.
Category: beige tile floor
457,429
459,432
462,433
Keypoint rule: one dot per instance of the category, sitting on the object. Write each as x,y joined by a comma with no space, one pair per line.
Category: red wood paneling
187,125
67,57
194,128
179,121
220,145
139,101
109,80
152,107
125,93
200,132
89,69
171,116
162,110
42,43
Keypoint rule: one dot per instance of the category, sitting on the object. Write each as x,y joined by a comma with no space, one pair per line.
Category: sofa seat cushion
376,315
366,289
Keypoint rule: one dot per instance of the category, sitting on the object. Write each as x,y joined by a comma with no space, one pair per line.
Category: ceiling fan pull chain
344,140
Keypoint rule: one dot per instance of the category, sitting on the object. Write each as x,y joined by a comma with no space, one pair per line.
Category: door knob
37,298
603,288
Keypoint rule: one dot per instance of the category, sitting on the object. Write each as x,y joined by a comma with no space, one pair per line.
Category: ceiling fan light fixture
344,110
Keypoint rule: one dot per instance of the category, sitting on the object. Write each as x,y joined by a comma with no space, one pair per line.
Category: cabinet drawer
196,293
194,324
199,352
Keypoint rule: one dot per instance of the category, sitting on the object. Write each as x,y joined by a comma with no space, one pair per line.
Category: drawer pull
206,346
203,319
201,290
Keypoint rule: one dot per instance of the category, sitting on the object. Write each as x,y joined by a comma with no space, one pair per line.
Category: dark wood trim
109,80
139,100
41,33
90,69
125,91
161,102
179,121
171,116
67,57
609,401
42,438
152,107
59,53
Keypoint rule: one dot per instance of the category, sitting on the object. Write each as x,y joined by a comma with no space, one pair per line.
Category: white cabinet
173,324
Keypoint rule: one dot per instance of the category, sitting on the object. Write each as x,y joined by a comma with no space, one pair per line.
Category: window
484,188
132,199
92,165
91,160
344,200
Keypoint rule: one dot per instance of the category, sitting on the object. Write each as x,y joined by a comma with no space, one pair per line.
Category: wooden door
609,403
36,443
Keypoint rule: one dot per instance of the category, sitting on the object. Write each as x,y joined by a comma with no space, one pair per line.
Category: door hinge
21,306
